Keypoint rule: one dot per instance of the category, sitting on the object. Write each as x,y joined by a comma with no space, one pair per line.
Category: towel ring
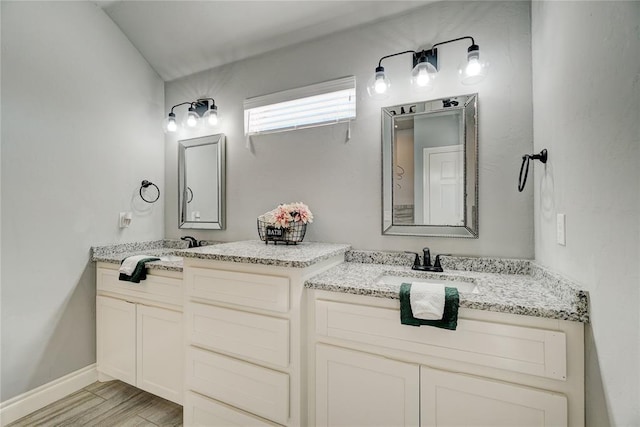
146,184
190,191
542,156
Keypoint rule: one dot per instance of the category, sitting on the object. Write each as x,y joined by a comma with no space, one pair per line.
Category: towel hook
146,184
542,156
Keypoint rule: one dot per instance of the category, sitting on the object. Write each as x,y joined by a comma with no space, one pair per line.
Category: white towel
427,300
129,264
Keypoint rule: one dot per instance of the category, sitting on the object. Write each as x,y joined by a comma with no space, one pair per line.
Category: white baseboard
26,403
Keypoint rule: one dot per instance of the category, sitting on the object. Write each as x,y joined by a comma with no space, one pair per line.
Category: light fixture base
431,55
201,106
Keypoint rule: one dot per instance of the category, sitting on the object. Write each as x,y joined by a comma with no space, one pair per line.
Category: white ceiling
181,37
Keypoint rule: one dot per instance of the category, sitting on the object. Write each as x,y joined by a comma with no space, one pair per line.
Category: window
316,105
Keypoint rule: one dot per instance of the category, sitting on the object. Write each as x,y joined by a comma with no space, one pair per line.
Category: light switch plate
561,229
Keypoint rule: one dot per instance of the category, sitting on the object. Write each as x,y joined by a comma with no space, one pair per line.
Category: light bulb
475,68
192,118
210,118
378,85
169,123
423,74
423,78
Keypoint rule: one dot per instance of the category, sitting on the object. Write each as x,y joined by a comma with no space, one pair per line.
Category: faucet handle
437,261
416,260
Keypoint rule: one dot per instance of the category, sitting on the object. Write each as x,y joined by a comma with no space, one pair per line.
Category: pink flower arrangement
286,214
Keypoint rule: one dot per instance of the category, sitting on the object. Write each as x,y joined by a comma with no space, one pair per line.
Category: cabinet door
116,338
359,389
449,399
160,352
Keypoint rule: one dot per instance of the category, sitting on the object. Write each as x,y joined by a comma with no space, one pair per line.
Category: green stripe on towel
140,273
449,318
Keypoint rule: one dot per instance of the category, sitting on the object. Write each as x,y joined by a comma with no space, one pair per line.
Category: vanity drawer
250,335
202,411
521,349
163,289
255,389
244,289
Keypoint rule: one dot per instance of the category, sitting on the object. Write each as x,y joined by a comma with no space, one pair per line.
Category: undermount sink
463,287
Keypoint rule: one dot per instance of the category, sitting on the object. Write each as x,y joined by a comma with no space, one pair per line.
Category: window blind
315,105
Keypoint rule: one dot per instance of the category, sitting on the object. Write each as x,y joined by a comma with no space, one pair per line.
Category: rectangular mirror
201,182
430,168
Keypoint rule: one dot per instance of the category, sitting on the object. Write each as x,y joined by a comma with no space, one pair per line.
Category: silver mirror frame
183,145
470,228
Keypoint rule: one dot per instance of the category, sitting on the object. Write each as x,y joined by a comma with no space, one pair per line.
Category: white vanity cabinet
361,389
116,338
245,335
139,328
496,369
453,399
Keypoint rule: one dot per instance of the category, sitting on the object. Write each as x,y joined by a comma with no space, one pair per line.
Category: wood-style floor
106,404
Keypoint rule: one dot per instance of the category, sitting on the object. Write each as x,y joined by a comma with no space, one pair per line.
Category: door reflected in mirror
429,168
201,186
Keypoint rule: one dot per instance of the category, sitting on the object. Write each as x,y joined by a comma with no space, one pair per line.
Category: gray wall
586,97
81,113
339,180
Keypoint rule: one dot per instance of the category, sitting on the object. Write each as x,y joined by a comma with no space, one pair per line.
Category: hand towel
427,300
139,271
449,318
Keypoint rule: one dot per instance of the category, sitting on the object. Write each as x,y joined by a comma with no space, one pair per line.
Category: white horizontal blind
315,105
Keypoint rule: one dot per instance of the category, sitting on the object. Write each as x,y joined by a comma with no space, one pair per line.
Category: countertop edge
276,260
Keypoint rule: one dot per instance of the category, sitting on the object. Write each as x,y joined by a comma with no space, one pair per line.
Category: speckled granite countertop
257,252
504,285
163,249
509,286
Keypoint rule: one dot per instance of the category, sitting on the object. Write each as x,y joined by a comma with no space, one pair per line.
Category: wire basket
289,236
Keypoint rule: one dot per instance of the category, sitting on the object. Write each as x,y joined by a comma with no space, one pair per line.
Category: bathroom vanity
497,368
139,331
244,314
139,327
255,334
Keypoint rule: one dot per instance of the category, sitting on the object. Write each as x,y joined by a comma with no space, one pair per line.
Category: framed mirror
201,182
430,168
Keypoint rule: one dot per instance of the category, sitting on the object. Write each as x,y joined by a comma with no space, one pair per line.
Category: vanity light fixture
425,69
200,112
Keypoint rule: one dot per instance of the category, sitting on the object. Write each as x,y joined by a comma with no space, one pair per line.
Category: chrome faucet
426,262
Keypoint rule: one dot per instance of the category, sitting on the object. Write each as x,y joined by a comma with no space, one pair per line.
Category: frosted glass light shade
379,84
423,75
